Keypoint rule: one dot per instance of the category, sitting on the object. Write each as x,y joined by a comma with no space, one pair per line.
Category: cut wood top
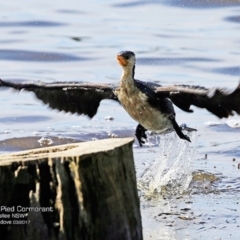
66,150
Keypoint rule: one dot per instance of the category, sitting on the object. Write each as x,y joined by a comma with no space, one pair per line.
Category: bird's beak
121,60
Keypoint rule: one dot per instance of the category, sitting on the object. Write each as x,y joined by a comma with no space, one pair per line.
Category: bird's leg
140,134
178,129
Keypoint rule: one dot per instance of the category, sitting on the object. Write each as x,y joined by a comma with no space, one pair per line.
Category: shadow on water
205,183
34,56
36,23
184,3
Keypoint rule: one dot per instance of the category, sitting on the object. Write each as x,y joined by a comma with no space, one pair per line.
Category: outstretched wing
220,102
74,97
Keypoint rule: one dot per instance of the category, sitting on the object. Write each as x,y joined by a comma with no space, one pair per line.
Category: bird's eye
126,57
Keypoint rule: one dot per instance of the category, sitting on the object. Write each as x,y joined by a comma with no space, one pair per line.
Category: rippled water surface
190,42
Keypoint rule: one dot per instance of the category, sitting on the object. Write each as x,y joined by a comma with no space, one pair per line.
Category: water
190,42
171,172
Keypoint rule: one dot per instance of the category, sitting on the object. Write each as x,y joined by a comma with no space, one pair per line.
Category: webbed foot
140,133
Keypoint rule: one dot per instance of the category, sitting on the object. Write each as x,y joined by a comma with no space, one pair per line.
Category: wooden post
74,191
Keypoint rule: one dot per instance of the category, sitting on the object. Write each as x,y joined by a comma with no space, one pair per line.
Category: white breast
137,106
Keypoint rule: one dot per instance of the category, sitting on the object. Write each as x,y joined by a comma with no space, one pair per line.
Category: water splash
171,172
45,141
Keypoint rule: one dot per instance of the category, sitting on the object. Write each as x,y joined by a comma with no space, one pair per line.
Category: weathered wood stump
74,191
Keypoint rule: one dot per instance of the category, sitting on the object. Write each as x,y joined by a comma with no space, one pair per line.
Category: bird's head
126,59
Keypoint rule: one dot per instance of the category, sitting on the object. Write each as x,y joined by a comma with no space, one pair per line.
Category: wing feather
220,102
73,97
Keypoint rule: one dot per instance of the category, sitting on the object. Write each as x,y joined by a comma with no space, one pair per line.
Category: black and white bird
150,104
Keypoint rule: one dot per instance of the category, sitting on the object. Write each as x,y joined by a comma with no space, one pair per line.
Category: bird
148,103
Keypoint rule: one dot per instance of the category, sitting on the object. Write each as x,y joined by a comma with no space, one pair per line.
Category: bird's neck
128,75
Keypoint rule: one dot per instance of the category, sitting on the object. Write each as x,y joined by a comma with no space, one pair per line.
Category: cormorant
150,104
